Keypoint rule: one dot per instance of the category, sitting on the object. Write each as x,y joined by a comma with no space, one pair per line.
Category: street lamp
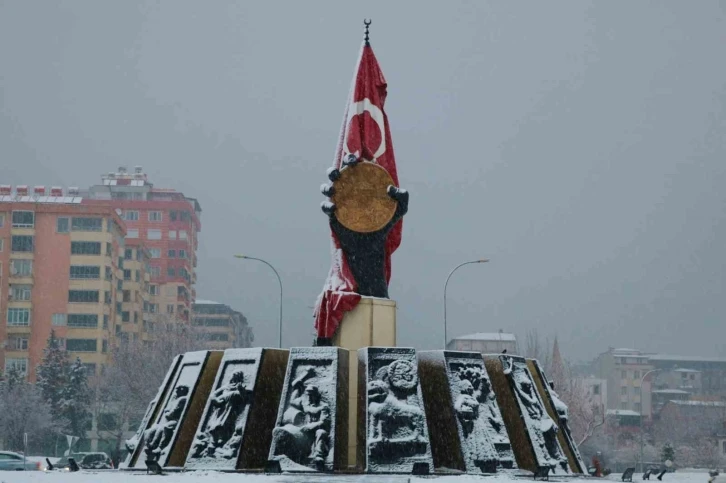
279,280
642,379
483,260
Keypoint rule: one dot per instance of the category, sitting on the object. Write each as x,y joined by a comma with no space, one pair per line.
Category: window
137,275
23,219
83,296
171,272
154,308
155,216
183,272
85,272
20,292
172,235
120,285
136,317
132,233
2,220
83,320
20,344
127,274
636,374
105,321
127,295
170,309
22,243
182,235
131,215
85,248
86,224
173,215
118,308
107,297
155,271
185,216
723,446
18,317
18,363
623,374
596,389
155,252
58,319
153,234
171,253
129,254
182,253
153,290
2,244
21,268
81,345
624,391
109,249
104,346
125,316
218,337
63,224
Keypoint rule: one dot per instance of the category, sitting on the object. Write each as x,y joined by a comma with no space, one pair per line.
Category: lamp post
279,280
483,260
642,380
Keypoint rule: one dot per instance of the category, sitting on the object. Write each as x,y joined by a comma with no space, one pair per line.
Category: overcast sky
579,145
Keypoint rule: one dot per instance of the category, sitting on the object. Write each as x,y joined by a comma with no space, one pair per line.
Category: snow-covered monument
354,401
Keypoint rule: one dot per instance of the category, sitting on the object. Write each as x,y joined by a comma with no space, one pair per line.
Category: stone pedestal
371,324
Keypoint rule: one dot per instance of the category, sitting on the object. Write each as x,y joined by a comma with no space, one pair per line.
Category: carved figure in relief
222,434
304,436
159,435
392,418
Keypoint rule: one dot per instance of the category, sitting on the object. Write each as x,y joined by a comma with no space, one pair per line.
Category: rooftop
207,302
622,412
711,404
488,336
666,358
670,391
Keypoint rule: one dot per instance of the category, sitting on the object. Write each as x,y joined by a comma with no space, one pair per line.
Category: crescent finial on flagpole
367,23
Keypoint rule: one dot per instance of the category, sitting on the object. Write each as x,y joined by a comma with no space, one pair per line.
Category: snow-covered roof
488,336
670,391
712,404
621,412
685,370
207,302
665,357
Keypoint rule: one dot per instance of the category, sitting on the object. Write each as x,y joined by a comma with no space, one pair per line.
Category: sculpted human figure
222,434
466,407
159,436
304,436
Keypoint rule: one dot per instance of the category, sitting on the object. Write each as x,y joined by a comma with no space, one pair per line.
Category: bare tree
538,347
584,415
134,375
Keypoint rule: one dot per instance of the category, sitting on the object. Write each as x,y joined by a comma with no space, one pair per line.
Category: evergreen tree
667,453
76,399
53,374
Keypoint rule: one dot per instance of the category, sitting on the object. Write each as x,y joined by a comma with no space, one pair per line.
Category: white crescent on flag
358,108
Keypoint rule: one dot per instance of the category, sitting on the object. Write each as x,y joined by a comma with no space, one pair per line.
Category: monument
354,402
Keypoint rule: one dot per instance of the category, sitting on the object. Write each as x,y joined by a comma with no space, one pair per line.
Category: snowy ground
213,477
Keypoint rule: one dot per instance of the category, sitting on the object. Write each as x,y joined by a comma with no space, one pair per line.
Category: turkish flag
365,133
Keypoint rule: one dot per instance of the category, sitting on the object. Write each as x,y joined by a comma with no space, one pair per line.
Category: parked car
10,461
86,461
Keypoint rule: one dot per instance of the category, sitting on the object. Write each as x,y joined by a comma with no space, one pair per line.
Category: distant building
623,369
691,421
62,268
485,342
220,327
167,222
597,391
698,375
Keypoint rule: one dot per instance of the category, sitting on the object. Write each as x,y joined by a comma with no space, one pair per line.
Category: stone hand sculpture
365,252
159,436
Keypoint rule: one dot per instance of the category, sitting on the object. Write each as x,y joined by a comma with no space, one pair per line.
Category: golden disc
361,197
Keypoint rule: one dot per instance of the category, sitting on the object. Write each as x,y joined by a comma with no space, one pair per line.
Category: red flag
365,133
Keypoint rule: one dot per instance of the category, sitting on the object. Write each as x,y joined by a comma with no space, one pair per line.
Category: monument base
371,324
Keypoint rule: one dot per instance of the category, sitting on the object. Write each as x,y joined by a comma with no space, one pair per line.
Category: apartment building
484,342
165,221
623,369
61,267
220,327
136,300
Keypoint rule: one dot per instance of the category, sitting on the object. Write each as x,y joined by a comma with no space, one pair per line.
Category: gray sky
579,145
